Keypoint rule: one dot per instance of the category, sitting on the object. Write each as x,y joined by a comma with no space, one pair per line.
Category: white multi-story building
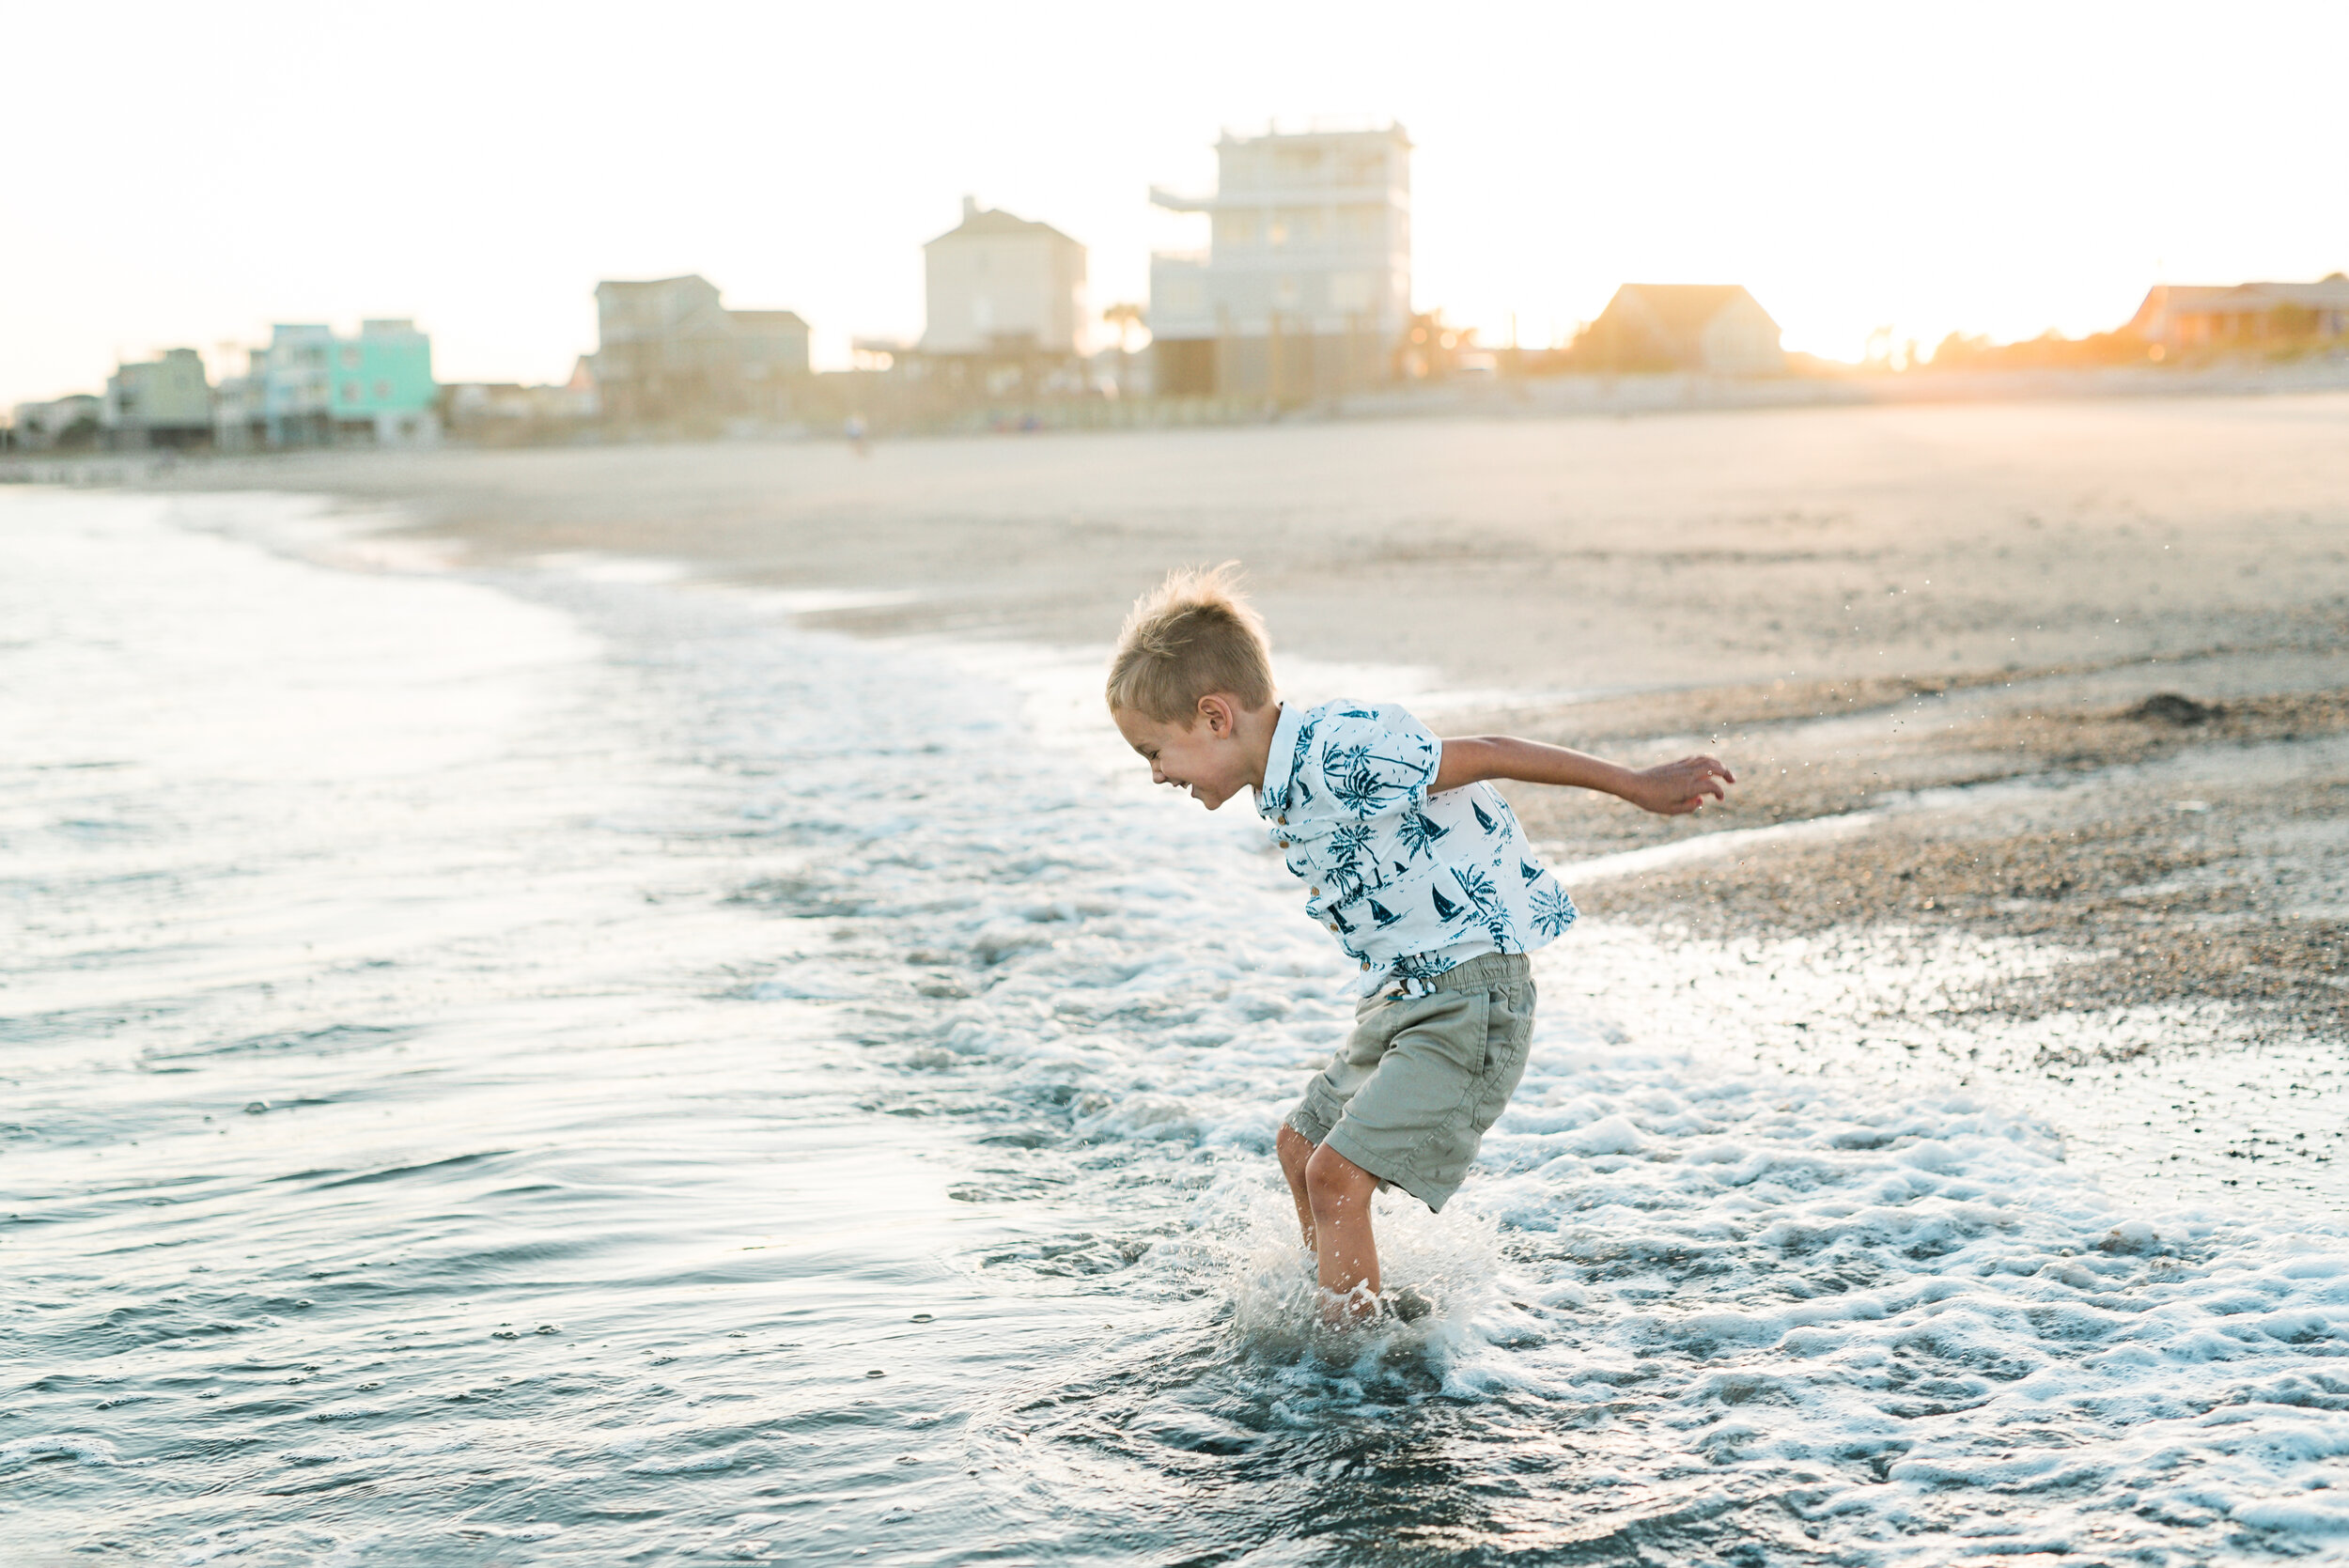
996,284
1305,286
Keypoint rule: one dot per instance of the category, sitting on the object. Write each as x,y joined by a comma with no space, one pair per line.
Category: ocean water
567,1066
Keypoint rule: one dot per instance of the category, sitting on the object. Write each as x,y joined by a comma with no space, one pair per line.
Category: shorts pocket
1428,1078
1508,1039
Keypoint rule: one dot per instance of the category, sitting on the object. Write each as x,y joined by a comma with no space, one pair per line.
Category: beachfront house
2245,315
771,356
72,423
669,351
320,388
1304,287
998,285
240,407
165,401
1716,327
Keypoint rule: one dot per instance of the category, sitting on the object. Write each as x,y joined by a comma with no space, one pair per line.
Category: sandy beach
2066,682
1561,556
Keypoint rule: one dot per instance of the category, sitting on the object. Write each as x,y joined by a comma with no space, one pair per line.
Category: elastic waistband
1478,974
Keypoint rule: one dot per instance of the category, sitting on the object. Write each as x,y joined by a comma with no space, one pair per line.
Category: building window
350,392
382,392
351,359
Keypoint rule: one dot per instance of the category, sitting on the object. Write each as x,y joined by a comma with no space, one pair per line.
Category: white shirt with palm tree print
1411,883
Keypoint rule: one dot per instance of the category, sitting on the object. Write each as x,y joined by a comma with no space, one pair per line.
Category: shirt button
1284,821
1284,844
1365,963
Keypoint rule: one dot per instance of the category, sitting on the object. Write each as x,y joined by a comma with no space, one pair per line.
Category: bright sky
183,174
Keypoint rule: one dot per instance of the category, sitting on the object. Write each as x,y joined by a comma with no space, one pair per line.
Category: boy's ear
1216,713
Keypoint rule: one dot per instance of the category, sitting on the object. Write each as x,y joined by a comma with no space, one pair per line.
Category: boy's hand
1675,788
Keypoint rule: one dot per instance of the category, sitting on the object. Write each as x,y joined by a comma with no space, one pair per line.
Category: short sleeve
1366,760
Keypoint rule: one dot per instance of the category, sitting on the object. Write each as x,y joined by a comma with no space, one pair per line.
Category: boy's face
1209,758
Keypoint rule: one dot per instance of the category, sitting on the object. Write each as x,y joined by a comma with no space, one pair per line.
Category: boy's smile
1215,758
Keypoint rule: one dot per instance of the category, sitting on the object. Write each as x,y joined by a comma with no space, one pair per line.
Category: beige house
166,401
2244,315
998,285
1684,326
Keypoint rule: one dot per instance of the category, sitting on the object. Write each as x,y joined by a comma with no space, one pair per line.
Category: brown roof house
2245,314
1684,326
668,349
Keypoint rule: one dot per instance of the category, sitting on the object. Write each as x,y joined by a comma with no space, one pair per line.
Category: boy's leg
1294,1149
1338,1192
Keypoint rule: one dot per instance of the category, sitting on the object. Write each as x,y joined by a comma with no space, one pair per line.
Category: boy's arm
1669,788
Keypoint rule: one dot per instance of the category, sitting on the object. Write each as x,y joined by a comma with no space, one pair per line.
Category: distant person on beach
1413,862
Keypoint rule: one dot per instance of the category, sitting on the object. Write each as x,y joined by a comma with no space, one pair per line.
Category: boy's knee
1292,1147
1331,1178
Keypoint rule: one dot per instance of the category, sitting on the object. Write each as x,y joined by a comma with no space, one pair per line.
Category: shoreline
1579,395
2065,687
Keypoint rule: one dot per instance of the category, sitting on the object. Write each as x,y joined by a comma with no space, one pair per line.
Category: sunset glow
180,179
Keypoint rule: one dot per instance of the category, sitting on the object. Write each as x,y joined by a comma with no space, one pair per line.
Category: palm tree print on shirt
1485,900
1422,966
1355,783
1553,911
1418,833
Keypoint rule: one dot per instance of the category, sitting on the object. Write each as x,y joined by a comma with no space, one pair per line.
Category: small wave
24,1451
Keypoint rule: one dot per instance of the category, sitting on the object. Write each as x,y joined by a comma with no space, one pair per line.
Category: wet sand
2066,681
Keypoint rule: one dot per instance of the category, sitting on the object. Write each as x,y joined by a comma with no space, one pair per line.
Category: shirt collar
1281,762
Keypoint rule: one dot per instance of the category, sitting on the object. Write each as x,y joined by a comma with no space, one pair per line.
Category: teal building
319,389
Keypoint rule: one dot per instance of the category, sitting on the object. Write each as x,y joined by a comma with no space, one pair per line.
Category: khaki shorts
1409,1097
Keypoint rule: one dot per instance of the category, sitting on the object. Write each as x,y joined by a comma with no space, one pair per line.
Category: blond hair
1190,636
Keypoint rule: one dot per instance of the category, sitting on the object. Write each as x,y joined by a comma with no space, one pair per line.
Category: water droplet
877,1373
256,1108
921,1317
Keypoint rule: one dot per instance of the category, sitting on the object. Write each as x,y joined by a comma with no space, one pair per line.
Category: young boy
1412,861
